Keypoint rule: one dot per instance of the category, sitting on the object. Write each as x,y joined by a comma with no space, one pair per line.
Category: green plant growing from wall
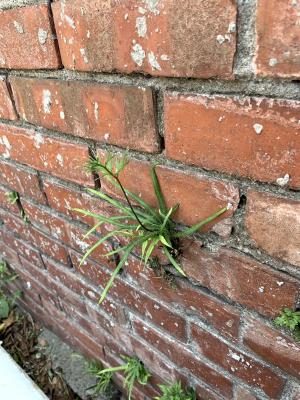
289,320
133,370
6,303
103,380
14,198
148,229
174,391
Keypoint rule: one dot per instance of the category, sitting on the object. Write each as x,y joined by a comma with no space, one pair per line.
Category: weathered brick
244,394
206,131
22,181
241,279
35,237
51,224
237,363
27,39
7,110
197,195
58,157
183,358
273,346
22,248
274,224
124,293
278,39
119,115
221,316
150,37
63,199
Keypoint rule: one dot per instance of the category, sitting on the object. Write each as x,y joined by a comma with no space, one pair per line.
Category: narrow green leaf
151,248
173,262
195,228
93,229
97,244
158,192
164,241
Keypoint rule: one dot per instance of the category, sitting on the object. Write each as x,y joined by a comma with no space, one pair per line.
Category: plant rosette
138,225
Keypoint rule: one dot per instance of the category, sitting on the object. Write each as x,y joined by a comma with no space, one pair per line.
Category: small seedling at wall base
133,370
149,228
103,380
176,392
6,303
289,320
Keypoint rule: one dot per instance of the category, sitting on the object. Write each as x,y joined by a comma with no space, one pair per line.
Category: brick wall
209,90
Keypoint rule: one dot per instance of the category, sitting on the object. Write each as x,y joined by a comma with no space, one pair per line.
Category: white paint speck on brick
47,101
138,55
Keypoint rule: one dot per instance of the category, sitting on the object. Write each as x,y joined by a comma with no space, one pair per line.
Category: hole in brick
243,201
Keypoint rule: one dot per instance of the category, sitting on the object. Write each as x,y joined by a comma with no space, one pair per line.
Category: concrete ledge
15,384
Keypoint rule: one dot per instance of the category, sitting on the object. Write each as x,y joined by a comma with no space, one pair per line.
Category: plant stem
126,197
113,369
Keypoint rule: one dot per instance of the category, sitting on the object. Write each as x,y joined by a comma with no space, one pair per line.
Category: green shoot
147,228
176,392
103,380
290,320
6,303
134,371
12,197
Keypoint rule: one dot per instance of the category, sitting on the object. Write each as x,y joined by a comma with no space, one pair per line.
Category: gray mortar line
259,87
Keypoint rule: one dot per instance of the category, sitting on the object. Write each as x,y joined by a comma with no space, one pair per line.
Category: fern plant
149,227
290,320
176,392
133,369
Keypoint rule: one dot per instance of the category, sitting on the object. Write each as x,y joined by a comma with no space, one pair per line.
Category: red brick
51,224
183,358
69,279
22,248
152,310
274,225
35,237
237,363
47,245
119,115
7,110
101,36
63,199
198,195
278,39
243,394
22,181
222,317
272,346
206,131
28,39
135,300
241,279
58,157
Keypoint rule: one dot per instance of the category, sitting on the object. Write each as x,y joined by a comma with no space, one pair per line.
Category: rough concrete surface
73,367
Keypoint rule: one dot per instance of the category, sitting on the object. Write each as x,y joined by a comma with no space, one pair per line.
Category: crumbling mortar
8,4
246,38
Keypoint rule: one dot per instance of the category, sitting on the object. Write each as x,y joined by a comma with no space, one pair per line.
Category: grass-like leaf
146,227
